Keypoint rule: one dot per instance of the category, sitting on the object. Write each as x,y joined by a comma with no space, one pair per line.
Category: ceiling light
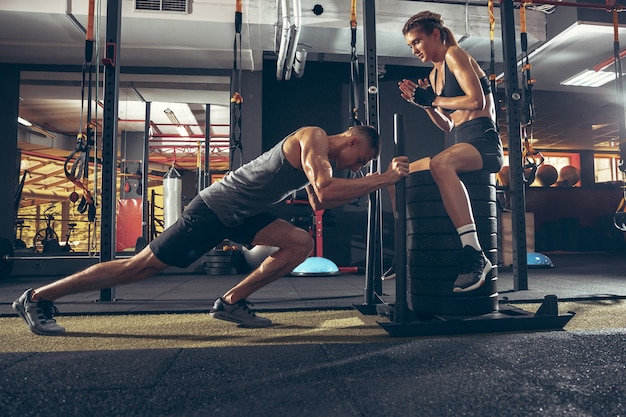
590,78
23,122
170,115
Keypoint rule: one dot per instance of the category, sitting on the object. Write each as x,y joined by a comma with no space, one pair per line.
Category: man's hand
398,168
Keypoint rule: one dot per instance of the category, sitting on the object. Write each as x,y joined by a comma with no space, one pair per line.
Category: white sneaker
38,315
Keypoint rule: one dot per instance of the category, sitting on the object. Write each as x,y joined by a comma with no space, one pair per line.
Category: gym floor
115,361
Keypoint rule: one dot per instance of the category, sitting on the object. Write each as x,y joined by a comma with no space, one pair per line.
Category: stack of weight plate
223,262
434,247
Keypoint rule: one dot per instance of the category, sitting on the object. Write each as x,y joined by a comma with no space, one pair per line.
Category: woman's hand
420,94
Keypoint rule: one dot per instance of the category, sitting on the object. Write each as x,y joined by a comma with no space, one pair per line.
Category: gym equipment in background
317,265
538,260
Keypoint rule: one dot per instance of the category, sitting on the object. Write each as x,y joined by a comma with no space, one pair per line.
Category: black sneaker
474,268
38,315
238,313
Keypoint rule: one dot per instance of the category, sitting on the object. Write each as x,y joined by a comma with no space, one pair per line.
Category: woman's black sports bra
451,87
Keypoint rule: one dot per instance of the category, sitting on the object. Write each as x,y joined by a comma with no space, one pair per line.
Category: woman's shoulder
455,53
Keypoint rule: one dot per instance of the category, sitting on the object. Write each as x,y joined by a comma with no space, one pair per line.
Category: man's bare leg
103,275
36,306
294,245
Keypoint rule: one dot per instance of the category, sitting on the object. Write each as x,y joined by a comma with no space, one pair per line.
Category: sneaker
390,273
474,268
38,315
238,313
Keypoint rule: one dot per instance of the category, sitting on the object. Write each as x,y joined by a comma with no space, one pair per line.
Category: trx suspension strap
619,219
492,64
354,87
532,159
354,71
236,99
76,165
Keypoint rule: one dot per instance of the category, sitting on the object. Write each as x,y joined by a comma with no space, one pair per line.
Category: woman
458,99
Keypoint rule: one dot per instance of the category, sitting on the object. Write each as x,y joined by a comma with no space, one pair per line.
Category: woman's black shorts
198,230
483,135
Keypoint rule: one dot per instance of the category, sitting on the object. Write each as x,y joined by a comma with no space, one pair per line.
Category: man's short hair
371,135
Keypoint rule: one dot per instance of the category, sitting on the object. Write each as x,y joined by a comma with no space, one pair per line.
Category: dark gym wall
251,117
321,98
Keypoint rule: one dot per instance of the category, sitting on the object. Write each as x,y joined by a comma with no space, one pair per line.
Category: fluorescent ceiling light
170,115
575,34
590,78
24,122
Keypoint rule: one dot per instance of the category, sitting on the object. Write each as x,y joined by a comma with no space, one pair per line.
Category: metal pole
207,146
144,174
400,307
513,102
109,137
373,268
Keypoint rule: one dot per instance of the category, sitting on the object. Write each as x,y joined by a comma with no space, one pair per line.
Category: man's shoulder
310,129
308,133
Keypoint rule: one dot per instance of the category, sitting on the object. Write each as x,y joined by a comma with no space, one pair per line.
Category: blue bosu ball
316,265
538,260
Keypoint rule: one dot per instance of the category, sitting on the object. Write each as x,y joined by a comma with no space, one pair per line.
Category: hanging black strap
76,165
492,62
528,116
354,71
532,159
236,99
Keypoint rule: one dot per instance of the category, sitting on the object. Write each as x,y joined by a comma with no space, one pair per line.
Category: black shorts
198,230
483,135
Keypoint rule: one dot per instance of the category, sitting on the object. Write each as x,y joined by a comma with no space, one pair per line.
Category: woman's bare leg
445,168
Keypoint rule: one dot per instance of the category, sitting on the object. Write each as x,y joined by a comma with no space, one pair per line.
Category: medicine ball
568,176
547,175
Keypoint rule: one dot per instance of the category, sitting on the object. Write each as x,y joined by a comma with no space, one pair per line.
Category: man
237,208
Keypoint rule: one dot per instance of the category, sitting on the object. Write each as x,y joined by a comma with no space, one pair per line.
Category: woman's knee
440,166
